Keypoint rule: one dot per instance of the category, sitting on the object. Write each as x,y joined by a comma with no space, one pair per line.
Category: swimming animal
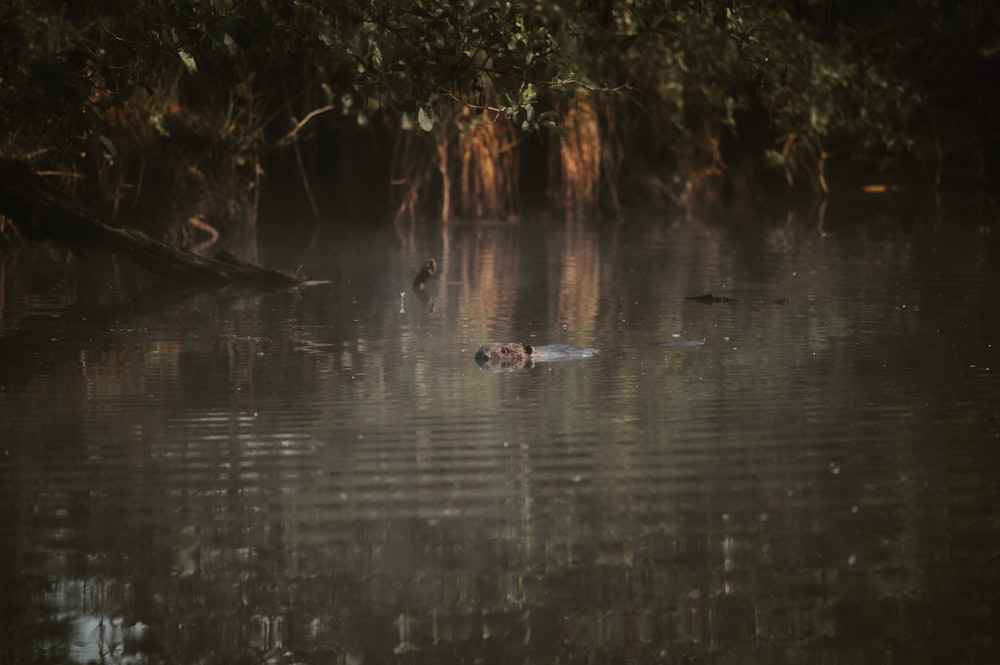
509,356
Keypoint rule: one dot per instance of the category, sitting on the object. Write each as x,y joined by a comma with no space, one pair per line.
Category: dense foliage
679,93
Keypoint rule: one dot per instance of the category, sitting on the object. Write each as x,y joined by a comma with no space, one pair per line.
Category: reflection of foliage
687,86
292,494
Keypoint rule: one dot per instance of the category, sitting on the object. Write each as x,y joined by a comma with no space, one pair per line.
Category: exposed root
580,160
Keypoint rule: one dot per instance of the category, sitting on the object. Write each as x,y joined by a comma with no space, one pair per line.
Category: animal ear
528,349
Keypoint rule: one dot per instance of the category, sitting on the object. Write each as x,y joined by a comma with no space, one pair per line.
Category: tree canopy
682,91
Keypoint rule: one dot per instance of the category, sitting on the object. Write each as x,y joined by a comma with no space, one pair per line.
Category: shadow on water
327,476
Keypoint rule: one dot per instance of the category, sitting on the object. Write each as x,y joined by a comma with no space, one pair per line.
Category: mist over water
326,475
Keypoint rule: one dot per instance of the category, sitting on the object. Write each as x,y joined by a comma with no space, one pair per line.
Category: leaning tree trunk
41,211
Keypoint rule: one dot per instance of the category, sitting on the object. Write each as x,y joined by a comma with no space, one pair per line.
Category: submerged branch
41,211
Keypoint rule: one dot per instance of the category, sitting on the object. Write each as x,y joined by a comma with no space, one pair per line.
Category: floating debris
711,299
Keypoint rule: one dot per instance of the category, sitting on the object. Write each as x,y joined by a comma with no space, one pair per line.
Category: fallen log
41,211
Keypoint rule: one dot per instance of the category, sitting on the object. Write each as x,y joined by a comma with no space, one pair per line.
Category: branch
593,88
477,107
302,123
42,211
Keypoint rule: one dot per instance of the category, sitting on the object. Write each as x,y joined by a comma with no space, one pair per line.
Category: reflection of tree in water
321,486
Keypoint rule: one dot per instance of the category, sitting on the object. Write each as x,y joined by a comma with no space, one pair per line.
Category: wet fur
505,356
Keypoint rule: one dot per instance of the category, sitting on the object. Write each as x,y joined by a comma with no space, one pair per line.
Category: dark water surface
326,476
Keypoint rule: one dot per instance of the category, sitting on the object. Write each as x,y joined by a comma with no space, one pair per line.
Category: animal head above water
504,356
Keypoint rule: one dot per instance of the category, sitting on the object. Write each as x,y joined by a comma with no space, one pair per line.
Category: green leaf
627,43
400,90
425,118
109,147
188,61
558,130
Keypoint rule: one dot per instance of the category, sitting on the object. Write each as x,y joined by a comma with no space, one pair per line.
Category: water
326,475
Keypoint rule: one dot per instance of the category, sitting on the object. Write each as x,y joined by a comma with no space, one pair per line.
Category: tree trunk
41,211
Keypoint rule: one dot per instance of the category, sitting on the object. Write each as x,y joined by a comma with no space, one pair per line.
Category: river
805,472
